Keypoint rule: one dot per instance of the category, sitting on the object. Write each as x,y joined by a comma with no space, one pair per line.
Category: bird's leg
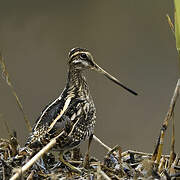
76,155
68,164
86,158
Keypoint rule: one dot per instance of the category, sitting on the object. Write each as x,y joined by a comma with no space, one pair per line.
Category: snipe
73,113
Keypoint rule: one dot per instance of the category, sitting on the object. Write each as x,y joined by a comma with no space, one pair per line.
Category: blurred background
130,39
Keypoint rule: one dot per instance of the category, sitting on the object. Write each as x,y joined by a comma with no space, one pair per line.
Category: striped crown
76,49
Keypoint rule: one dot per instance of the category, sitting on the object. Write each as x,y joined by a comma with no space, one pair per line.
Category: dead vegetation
116,164
22,163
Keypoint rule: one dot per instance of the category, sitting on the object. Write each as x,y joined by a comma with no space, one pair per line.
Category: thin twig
171,25
9,83
7,129
104,175
30,177
98,171
161,164
139,153
75,162
172,170
101,143
117,147
6,125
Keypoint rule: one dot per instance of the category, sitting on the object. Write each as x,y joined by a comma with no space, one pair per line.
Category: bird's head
81,59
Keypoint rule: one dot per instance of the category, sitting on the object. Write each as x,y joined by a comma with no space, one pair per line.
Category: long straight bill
112,78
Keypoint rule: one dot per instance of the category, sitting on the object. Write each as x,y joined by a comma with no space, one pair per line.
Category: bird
72,116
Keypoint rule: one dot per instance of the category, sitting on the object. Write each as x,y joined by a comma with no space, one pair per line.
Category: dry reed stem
9,83
104,175
159,146
172,151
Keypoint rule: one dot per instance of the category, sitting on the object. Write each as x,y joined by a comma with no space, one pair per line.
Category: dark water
130,39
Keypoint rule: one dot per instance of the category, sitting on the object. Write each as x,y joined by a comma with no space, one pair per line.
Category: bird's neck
77,81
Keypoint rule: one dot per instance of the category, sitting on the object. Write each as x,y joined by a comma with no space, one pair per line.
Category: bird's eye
83,56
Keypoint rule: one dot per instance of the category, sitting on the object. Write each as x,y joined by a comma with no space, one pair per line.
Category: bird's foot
86,163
